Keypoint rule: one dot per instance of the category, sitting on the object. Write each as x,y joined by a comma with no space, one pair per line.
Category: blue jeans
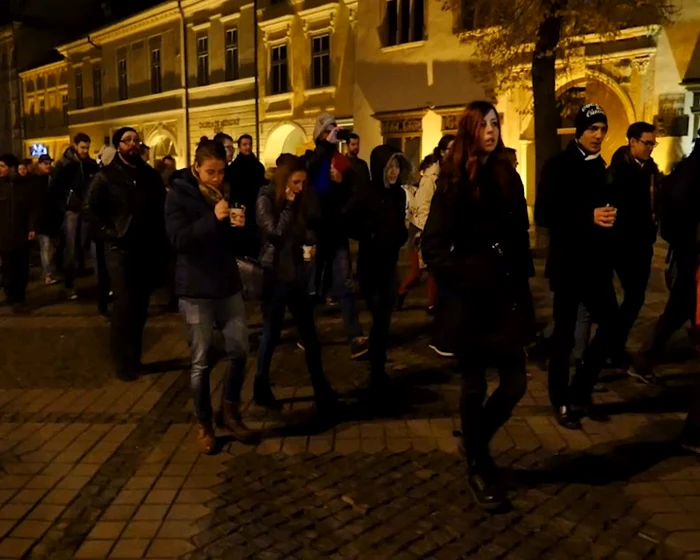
202,316
47,249
342,288
582,334
75,234
300,305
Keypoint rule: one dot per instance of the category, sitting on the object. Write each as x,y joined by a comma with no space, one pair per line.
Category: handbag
252,278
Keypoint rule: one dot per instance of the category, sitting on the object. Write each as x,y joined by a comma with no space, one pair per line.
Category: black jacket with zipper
72,179
17,212
125,207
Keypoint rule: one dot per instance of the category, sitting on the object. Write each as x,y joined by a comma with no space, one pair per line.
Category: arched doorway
162,144
286,138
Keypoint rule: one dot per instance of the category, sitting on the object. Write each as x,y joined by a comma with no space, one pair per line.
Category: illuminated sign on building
38,150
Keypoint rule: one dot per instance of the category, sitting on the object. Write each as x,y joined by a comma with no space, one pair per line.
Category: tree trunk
544,93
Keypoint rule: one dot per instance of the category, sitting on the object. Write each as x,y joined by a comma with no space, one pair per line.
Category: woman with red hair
476,241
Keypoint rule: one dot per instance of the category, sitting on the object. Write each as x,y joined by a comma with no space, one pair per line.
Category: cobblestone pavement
95,468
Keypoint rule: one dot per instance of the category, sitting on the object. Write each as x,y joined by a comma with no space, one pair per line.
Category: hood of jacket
379,162
69,156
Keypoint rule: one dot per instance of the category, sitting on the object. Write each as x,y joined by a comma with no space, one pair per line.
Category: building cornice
131,101
46,69
320,18
278,29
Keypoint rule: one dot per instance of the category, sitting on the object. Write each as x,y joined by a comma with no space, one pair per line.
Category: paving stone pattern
91,467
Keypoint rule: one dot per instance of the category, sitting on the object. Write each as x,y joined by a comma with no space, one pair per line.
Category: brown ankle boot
229,418
205,439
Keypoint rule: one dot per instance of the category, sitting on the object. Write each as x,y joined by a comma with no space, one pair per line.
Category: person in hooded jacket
125,209
246,175
633,180
17,229
476,241
204,233
73,175
574,204
376,217
333,190
287,247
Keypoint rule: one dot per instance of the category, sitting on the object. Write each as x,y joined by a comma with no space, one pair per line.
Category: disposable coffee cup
235,210
308,252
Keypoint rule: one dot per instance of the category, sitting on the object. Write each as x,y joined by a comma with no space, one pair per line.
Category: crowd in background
205,231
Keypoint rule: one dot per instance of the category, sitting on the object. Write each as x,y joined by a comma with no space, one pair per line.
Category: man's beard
132,156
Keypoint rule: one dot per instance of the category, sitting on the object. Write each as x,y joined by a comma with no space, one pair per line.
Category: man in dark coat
48,217
70,184
245,176
571,203
359,166
125,206
633,179
376,217
17,218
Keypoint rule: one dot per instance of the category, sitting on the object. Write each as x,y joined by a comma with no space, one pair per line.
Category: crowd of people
463,213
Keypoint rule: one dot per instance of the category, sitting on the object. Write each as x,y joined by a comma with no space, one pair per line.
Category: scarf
212,196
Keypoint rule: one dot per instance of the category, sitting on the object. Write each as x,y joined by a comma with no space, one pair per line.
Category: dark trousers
380,293
481,420
447,319
103,283
633,268
680,307
691,429
131,285
15,273
598,295
295,297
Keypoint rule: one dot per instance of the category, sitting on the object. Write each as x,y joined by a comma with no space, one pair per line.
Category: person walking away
48,218
418,217
246,175
287,248
334,189
359,166
572,203
204,232
633,180
17,217
125,206
376,217
476,240
679,222
73,176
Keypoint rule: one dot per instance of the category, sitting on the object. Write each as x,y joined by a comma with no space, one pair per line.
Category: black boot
566,418
484,484
263,395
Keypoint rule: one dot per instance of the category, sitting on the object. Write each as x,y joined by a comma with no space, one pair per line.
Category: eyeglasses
130,141
649,143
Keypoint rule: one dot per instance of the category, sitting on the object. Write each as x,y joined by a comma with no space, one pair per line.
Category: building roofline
44,68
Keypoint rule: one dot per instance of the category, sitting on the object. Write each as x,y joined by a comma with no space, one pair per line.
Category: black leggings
482,418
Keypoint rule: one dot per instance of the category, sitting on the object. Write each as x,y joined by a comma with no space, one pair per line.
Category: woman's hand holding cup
221,210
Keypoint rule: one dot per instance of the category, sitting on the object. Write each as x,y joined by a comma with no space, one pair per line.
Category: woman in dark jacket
204,233
287,245
476,240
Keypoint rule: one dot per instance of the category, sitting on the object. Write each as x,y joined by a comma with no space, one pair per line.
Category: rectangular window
97,85
202,61
123,77
321,61
405,21
279,70
79,99
64,108
232,72
475,16
156,76
42,114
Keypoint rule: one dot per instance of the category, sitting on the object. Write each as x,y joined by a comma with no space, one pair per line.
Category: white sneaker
442,353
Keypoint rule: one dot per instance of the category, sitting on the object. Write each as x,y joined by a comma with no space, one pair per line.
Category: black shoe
127,373
431,311
567,418
264,397
328,405
590,411
359,347
485,487
400,301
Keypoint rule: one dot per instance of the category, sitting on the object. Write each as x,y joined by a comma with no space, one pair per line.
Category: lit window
123,78
156,77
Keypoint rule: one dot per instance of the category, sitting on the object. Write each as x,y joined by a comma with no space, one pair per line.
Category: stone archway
162,143
285,138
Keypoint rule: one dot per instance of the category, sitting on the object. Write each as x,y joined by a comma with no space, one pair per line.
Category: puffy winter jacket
420,209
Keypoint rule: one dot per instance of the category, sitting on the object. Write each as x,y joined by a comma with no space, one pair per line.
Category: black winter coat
17,212
479,246
206,247
571,188
376,215
49,213
245,176
631,186
124,206
72,179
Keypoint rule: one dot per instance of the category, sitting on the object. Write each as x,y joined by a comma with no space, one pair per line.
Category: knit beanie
118,135
587,116
324,122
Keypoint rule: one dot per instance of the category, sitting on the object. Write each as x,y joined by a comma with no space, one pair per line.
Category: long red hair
465,152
